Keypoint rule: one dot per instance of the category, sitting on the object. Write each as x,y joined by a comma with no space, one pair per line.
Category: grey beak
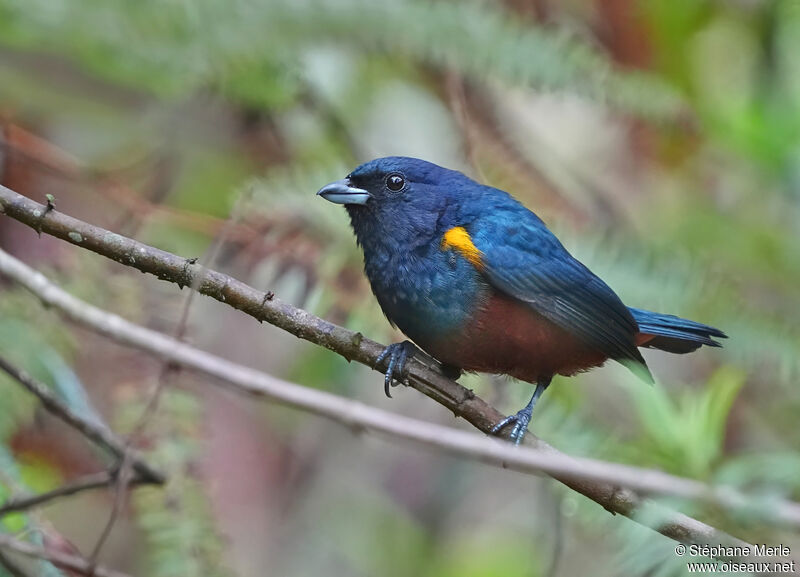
341,192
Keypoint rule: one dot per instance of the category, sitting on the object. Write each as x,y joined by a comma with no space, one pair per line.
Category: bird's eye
395,182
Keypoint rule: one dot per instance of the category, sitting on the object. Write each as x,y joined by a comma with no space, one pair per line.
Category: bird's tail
673,334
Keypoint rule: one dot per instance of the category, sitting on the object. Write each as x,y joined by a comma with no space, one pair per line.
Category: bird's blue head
399,199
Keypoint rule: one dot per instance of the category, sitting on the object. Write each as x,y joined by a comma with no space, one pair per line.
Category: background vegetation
659,139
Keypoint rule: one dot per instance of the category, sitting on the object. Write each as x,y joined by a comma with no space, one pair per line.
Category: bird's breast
430,293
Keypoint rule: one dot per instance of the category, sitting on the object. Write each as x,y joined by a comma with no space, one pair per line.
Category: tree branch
63,560
607,484
569,470
85,483
89,429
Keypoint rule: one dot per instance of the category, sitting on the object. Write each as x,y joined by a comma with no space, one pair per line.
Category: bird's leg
398,354
523,417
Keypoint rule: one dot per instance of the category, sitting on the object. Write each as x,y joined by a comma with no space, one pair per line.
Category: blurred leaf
685,436
11,483
172,47
177,518
771,472
70,389
478,555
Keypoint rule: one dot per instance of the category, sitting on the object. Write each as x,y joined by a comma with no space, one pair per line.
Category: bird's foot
521,421
523,418
398,354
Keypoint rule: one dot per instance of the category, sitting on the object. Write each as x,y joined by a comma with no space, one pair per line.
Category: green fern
685,436
250,48
176,519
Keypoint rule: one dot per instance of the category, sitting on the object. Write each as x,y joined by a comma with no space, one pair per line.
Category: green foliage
12,483
17,341
685,435
250,48
176,519
40,353
643,553
479,555
773,473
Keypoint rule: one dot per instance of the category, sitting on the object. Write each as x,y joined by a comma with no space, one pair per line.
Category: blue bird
477,281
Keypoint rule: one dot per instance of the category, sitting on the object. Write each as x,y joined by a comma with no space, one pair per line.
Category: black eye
395,182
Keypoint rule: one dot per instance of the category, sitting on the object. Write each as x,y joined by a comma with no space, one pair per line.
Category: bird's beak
341,192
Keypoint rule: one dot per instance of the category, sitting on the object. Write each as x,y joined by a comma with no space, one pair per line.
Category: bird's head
387,182
398,197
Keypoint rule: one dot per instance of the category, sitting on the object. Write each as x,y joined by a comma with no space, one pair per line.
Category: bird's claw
398,354
523,418
521,421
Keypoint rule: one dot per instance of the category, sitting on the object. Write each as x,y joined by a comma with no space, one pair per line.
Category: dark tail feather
674,334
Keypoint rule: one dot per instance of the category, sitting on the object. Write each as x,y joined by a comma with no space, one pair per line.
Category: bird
477,281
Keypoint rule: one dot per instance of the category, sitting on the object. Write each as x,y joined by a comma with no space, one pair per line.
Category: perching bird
478,282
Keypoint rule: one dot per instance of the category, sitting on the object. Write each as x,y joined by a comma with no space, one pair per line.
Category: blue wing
523,259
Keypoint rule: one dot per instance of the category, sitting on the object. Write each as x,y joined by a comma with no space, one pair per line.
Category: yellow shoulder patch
458,238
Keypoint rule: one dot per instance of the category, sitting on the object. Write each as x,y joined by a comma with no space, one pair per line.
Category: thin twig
121,485
65,561
611,485
167,368
85,483
557,531
91,430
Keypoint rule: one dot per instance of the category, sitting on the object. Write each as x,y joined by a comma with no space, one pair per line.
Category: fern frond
174,47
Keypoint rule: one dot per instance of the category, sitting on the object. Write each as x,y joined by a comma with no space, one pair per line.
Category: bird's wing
522,258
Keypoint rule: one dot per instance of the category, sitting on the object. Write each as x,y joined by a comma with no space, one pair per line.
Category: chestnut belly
510,337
